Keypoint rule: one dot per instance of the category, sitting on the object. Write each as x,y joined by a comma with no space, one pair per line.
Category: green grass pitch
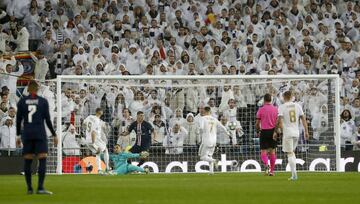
243,188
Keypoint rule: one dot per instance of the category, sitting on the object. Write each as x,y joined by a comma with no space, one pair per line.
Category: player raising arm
208,128
33,110
93,126
289,115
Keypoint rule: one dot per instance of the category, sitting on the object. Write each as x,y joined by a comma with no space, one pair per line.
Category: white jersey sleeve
291,112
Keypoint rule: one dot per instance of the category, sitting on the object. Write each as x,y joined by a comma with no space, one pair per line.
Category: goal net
173,105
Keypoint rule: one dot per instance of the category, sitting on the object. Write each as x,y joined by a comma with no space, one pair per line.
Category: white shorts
289,144
98,145
205,150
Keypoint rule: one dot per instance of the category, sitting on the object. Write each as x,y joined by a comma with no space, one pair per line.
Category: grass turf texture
187,188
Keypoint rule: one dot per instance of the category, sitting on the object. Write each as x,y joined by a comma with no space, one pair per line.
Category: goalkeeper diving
120,158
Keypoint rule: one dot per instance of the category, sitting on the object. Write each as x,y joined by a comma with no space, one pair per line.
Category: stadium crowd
185,37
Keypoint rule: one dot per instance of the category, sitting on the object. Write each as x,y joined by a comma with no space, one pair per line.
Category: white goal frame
63,78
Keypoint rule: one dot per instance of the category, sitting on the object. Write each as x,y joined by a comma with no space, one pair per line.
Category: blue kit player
144,134
33,112
121,166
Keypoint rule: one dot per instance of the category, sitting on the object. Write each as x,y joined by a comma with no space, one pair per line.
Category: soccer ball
355,90
232,125
144,154
234,163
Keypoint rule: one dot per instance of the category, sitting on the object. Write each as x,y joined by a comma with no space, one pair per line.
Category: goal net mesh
173,107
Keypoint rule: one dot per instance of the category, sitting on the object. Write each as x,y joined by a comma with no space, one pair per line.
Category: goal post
322,153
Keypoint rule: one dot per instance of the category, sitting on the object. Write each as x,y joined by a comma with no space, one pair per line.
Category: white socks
211,162
292,164
98,162
106,158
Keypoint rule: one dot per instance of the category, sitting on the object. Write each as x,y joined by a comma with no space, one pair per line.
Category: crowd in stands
183,37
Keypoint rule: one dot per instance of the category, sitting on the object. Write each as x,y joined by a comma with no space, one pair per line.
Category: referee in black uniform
33,110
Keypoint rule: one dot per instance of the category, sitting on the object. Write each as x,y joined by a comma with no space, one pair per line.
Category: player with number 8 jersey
290,114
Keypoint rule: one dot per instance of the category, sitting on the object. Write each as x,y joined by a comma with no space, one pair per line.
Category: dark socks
141,162
27,171
41,172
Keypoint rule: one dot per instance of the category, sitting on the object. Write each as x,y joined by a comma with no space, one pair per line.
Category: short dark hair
267,97
33,86
139,113
207,109
287,95
98,110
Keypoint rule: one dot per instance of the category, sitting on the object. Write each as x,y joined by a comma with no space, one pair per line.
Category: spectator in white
6,99
347,55
223,137
192,98
60,17
348,129
3,109
193,136
22,38
68,106
231,111
226,95
8,134
41,66
232,53
356,141
177,98
13,99
123,123
48,44
113,65
2,14
313,100
355,110
69,142
201,61
11,76
32,23
157,110
174,141
178,118
133,60
4,37
319,122
119,105
270,53
80,57
17,8
214,109
138,104
153,98
96,57
160,129
351,88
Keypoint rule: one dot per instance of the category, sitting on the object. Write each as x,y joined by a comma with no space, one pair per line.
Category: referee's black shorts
266,139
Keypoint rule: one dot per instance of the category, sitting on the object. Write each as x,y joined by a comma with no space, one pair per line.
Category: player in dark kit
144,130
33,110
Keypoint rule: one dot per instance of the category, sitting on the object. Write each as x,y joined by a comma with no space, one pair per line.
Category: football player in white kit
208,128
93,125
289,115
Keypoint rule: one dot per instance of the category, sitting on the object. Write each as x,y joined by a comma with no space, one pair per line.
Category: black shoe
30,192
44,192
